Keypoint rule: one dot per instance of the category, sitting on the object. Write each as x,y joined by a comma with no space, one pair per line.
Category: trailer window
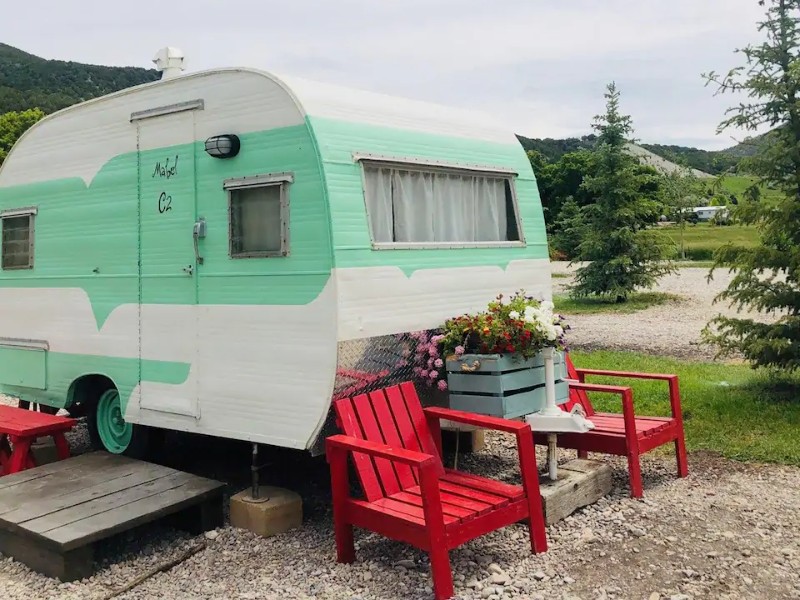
412,206
258,223
17,244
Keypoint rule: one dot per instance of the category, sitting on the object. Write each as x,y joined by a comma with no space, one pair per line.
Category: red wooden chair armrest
525,447
400,455
671,379
664,376
627,401
468,418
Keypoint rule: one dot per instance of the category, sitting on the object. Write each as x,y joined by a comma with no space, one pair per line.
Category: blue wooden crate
502,385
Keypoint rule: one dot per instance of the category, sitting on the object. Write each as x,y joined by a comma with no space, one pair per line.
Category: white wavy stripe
383,300
262,373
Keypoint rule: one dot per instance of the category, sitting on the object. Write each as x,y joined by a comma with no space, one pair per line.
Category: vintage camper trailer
220,252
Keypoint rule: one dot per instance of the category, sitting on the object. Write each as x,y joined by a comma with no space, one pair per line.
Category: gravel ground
671,329
729,530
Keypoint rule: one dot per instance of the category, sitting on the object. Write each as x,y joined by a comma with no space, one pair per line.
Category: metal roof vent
170,61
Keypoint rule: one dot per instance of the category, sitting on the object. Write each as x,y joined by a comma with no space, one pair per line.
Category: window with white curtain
411,204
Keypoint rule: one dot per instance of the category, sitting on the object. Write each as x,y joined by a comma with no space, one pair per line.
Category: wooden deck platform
51,516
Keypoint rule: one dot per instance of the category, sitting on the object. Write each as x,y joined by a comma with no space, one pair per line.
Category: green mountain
28,81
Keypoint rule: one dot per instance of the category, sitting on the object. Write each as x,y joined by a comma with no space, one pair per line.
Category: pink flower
433,374
423,373
430,363
438,363
459,350
433,351
442,385
402,363
418,372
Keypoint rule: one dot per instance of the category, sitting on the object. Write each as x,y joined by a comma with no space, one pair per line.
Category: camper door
168,262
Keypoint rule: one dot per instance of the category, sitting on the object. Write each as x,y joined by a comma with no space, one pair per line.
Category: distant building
706,213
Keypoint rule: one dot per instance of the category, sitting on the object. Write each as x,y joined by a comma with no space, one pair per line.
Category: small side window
258,221
17,242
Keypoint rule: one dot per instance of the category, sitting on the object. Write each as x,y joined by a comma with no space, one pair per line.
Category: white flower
547,306
514,314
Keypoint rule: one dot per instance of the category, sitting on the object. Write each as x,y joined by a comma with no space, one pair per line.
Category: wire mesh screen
373,363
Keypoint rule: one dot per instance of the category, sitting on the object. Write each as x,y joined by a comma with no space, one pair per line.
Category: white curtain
420,206
378,189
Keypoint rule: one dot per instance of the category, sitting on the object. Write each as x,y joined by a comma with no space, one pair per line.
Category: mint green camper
217,252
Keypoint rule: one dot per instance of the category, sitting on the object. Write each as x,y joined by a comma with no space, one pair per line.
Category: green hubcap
114,431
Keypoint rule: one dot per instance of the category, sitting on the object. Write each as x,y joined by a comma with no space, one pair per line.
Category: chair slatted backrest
576,396
391,416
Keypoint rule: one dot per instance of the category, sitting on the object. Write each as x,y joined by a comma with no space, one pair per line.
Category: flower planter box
502,385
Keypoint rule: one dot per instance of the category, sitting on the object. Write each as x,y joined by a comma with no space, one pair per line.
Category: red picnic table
19,428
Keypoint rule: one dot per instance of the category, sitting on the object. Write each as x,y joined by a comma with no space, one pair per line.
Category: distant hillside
554,149
28,81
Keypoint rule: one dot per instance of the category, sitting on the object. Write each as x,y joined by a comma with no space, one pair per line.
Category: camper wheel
108,429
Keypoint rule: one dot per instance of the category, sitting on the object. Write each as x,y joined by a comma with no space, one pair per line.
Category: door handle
198,231
189,269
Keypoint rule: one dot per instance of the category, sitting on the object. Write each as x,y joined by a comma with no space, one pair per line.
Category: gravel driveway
728,531
671,329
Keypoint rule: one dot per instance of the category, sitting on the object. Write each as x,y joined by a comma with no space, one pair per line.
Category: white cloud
540,65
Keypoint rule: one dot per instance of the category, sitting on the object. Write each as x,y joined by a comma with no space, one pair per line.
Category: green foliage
552,149
569,230
624,255
13,125
708,161
681,191
27,80
767,276
726,408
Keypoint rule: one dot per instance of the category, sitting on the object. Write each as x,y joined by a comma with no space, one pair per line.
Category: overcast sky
540,66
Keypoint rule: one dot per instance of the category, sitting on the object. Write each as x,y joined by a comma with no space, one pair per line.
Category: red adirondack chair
408,494
623,434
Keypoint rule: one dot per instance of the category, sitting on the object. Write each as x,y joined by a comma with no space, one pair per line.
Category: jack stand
255,496
552,456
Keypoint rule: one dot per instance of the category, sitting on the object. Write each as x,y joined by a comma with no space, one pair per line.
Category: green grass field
731,409
587,306
738,184
703,239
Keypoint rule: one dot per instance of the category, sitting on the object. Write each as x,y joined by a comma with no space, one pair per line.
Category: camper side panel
387,291
252,350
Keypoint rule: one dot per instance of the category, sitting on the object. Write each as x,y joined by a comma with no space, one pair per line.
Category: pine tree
624,253
767,277
569,229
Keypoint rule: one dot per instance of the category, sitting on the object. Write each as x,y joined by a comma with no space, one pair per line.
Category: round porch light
223,146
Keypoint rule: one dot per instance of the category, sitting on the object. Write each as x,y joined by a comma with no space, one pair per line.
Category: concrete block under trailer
223,252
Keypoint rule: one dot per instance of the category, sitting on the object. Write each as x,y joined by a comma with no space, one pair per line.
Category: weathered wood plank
51,516
77,494
66,566
82,463
580,482
105,524
118,499
60,487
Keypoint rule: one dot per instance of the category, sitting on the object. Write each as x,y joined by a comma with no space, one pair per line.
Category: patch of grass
738,184
703,239
588,306
560,275
731,409
694,264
